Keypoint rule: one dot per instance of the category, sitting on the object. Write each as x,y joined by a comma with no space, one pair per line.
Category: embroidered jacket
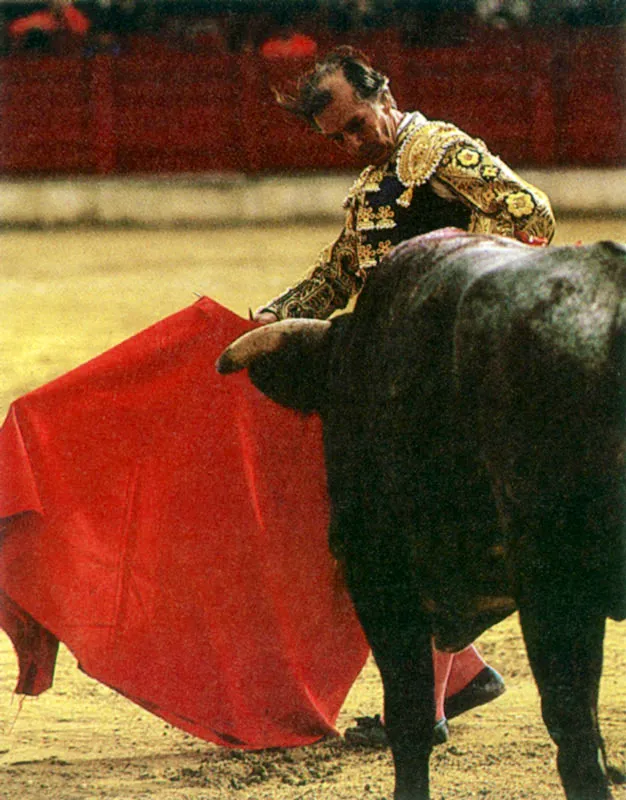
438,176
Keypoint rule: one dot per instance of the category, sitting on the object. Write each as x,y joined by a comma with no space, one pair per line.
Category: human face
365,129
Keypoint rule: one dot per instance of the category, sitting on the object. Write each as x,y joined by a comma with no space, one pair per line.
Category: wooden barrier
498,88
538,99
593,105
45,115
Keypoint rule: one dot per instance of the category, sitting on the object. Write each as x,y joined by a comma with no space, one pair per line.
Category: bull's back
540,353
474,360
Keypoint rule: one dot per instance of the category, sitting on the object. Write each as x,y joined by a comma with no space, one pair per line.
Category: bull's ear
267,339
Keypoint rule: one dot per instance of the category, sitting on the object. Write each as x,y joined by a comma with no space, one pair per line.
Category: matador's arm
500,201
329,286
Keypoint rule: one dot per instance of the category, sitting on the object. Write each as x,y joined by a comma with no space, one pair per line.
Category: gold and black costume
437,177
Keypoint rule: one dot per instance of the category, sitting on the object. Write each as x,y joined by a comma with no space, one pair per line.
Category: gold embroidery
489,196
489,187
384,248
374,179
468,157
499,200
344,254
368,181
520,204
489,172
369,256
421,153
328,286
369,218
366,217
405,198
386,218
371,177
481,223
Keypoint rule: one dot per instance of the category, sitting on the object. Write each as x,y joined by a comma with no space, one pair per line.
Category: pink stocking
464,668
442,664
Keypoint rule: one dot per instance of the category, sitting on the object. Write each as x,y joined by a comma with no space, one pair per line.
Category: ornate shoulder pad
421,153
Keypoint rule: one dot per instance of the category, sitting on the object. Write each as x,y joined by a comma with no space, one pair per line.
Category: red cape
169,526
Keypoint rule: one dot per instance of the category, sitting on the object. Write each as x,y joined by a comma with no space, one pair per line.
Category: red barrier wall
593,102
538,99
45,123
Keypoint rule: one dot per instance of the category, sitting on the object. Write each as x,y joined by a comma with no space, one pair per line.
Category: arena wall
541,98
150,134
239,199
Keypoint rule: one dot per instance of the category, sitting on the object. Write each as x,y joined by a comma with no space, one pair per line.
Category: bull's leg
400,639
564,642
407,677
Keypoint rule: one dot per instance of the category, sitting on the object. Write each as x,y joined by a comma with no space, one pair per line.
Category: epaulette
420,155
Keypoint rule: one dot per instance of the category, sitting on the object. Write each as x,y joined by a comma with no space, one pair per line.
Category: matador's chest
382,222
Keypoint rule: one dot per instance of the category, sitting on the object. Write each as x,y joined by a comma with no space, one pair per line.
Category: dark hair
309,100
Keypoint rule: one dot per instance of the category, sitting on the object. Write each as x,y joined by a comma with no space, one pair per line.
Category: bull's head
287,361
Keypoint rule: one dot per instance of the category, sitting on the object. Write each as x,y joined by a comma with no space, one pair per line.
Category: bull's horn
266,339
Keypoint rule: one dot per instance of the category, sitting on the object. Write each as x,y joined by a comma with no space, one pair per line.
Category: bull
474,411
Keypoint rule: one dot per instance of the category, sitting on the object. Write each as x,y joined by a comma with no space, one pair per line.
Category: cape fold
169,526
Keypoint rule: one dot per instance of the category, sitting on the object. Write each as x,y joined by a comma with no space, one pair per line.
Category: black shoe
370,731
441,732
484,688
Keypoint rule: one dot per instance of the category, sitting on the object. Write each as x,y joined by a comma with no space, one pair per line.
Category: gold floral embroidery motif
386,218
520,204
369,256
369,218
365,218
384,248
489,172
468,157
374,179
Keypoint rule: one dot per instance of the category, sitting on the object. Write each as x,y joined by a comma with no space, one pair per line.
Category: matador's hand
264,316
536,241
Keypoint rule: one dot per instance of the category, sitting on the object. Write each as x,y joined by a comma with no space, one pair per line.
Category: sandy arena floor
69,295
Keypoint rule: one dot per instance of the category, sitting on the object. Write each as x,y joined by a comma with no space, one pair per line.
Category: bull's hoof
616,776
441,732
484,688
370,732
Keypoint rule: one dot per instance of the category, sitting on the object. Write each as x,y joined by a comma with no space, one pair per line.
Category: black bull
474,418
